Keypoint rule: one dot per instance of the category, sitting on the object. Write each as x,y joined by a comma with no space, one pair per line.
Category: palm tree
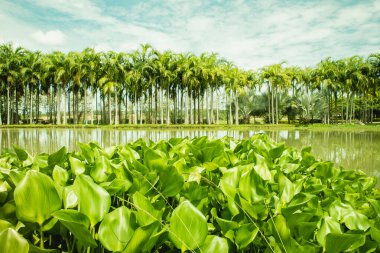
11,64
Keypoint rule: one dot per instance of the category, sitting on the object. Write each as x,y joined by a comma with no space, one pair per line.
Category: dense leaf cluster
199,195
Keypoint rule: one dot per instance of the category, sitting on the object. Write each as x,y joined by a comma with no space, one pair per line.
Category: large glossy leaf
146,213
343,242
77,166
36,198
170,181
13,242
58,157
188,227
140,239
155,159
102,169
213,244
117,229
22,155
252,186
70,198
60,175
93,200
78,225
329,225
357,221
228,184
245,234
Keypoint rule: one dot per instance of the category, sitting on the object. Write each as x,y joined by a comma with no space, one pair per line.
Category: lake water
352,150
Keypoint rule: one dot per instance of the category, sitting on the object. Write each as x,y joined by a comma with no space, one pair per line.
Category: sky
251,33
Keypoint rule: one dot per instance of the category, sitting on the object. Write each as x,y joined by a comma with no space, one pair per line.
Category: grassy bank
314,127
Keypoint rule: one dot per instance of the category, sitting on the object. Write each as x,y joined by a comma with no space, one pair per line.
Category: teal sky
250,33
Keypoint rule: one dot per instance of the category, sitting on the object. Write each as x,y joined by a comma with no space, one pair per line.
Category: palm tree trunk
85,105
59,105
38,101
16,100
194,110
8,106
161,107
92,107
272,104
136,109
156,103
199,110
186,110
212,106
141,111
191,119
126,107
103,108
31,104
236,108
109,109
276,94
217,113
353,106
167,107
25,103
64,106
116,112
96,106
230,109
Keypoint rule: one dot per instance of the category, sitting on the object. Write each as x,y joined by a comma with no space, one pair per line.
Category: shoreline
314,127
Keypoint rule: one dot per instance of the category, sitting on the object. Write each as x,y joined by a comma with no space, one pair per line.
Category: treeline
148,86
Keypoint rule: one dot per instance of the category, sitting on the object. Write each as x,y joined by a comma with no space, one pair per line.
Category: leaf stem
41,238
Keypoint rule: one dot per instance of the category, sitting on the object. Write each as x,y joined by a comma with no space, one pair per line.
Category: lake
352,150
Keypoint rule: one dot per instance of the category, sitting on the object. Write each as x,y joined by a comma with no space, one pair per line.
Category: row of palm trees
148,86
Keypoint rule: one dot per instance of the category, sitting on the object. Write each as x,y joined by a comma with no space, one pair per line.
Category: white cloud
250,33
53,37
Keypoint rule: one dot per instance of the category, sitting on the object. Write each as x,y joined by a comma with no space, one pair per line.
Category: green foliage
197,195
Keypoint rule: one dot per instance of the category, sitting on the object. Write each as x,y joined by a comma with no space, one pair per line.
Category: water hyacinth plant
182,195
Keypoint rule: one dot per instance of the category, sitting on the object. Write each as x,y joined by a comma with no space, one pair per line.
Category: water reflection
356,150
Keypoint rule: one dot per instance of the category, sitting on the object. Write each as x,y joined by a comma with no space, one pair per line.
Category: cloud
250,33
53,37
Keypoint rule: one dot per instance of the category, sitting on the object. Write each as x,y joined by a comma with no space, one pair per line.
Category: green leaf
155,159
213,244
13,242
170,181
287,188
4,225
22,155
78,224
70,198
329,225
245,234
36,198
58,157
93,200
77,166
252,186
60,175
228,184
188,227
117,229
343,242
117,185
357,221
102,169
146,213
140,238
